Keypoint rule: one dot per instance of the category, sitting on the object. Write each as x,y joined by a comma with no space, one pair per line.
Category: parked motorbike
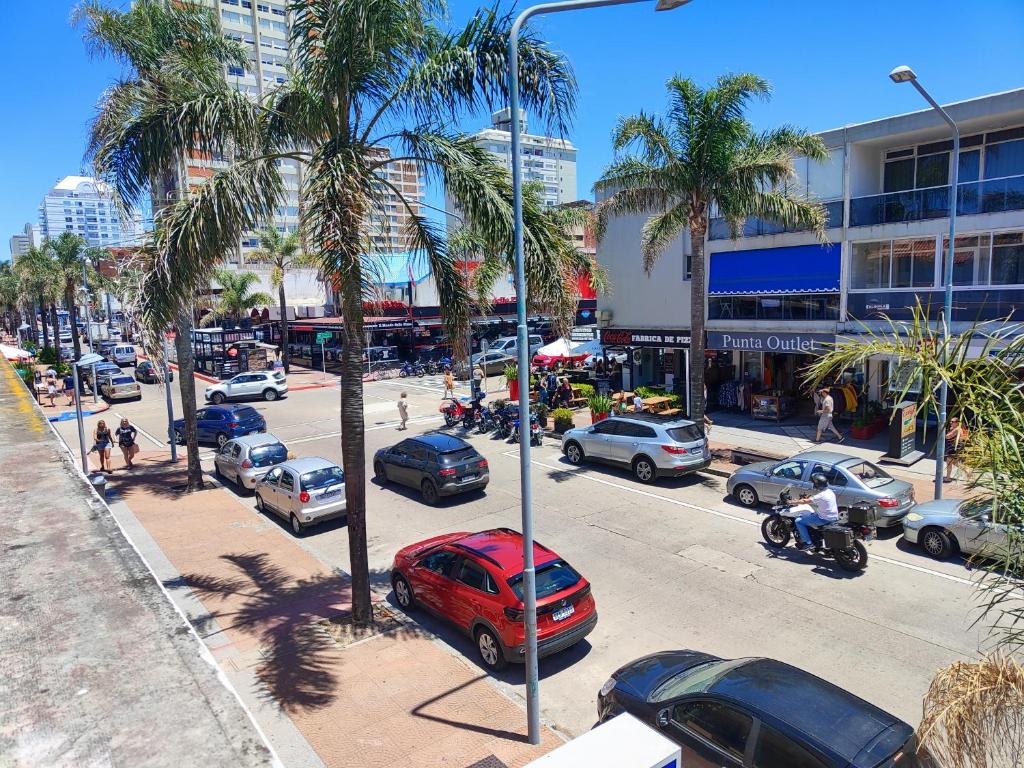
473,414
535,431
412,369
454,410
504,418
486,421
432,367
843,540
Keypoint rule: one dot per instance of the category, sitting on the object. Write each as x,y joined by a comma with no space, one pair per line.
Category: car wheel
936,543
179,437
644,470
270,395
429,491
489,648
221,439
259,503
378,472
296,525
745,495
403,592
574,452
217,398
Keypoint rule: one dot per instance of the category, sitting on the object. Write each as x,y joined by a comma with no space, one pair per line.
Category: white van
507,345
122,354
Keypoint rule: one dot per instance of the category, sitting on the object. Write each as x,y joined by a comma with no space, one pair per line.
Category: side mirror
663,718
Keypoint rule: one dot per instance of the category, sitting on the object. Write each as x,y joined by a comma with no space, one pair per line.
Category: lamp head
670,5
902,74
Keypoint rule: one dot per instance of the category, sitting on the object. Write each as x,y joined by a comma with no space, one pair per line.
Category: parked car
245,460
219,423
853,479
435,464
474,580
120,387
148,373
613,357
492,362
303,491
103,371
737,713
268,385
105,348
650,446
947,526
122,354
509,344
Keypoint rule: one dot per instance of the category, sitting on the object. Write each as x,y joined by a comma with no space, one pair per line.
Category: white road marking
152,439
386,425
668,499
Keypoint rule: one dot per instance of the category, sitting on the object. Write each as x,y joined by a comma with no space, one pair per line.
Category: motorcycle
503,420
535,431
486,421
842,540
454,410
411,369
473,414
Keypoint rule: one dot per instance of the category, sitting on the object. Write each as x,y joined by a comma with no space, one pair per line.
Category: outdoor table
656,404
620,396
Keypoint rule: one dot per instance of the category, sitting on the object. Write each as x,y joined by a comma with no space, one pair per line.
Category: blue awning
793,269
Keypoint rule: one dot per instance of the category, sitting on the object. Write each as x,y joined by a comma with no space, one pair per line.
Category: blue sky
827,62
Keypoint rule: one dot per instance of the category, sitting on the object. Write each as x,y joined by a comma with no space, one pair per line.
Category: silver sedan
303,491
942,528
853,479
245,460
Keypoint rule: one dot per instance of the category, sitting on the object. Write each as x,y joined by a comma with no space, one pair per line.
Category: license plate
563,613
467,478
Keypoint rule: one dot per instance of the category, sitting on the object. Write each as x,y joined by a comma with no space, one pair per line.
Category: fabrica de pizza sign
624,337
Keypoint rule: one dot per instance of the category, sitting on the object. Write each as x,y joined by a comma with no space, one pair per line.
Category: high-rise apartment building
22,241
82,205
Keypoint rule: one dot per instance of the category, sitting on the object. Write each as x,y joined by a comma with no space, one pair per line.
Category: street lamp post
523,345
83,362
905,74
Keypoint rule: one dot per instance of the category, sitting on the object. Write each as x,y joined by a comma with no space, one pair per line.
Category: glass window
267,455
970,166
438,562
870,268
1004,159
789,470
322,478
723,726
287,481
825,180
551,578
970,260
607,427
913,263
899,175
273,475
472,575
1008,258
774,750
871,475
750,365
933,170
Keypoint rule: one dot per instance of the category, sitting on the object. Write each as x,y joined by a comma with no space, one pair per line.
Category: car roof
825,713
827,457
253,441
307,464
503,548
441,442
652,418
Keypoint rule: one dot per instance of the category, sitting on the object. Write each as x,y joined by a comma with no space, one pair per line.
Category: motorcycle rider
816,510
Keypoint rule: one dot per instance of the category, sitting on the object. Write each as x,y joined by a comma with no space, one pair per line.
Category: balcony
718,229
988,196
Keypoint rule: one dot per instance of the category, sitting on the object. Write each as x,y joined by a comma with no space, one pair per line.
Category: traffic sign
323,337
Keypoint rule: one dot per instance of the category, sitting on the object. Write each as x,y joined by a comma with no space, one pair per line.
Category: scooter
411,369
842,540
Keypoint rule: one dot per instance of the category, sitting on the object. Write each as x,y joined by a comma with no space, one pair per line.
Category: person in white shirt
826,410
819,509
638,404
403,410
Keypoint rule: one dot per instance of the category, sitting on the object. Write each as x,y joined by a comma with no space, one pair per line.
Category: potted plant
563,419
542,415
512,379
600,407
859,430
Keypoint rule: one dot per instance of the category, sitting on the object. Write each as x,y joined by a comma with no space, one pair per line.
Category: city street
673,565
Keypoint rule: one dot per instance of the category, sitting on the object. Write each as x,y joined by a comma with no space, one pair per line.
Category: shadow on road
822,566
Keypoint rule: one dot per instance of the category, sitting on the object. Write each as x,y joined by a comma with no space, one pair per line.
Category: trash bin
99,484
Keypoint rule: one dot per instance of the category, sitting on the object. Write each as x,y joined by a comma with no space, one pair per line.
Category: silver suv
268,385
650,446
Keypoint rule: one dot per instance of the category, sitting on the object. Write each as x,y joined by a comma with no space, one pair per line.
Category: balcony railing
718,229
988,196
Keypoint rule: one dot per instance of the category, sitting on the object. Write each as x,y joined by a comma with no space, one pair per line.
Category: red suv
475,581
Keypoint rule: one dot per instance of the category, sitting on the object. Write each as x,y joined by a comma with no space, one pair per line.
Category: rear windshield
279,375
869,474
321,478
268,455
245,413
688,434
458,455
551,578
123,380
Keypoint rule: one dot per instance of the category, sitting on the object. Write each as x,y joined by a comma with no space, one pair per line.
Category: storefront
654,357
225,352
761,373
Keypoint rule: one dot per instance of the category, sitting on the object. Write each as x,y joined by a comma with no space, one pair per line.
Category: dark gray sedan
853,479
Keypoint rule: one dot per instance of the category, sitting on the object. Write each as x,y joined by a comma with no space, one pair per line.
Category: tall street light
84,361
523,346
905,74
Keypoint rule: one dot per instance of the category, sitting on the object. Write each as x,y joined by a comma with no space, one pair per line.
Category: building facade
775,297
22,241
86,207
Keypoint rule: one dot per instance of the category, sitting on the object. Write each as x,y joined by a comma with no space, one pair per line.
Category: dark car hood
641,677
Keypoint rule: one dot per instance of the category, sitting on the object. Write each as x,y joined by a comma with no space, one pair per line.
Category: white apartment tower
82,205
22,241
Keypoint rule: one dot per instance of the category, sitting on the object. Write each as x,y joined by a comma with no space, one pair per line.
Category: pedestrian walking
956,437
478,378
126,435
51,389
69,388
403,410
449,382
825,411
101,444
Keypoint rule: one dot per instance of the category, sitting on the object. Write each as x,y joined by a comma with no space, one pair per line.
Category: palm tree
41,285
68,252
171,103
10,296
283,253
374,83
236,297
704,155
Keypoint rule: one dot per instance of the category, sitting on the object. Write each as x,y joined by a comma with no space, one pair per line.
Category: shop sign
387,325
624,337
796,343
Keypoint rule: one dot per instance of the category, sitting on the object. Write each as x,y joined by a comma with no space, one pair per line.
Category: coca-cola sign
644,337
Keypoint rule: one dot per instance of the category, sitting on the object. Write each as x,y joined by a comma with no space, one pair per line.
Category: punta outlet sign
794,343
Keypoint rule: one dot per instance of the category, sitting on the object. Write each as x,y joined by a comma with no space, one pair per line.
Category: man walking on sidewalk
825,412
403,410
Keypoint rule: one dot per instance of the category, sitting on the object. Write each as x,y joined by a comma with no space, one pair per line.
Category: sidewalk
265,605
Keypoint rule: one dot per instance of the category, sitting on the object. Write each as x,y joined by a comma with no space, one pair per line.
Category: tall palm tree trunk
55,325
283,303
187,386
69,301
353,445
42,319
697,405
32,321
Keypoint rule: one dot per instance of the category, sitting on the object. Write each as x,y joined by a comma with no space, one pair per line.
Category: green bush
47,356
511,372
585,390
562,418
600,404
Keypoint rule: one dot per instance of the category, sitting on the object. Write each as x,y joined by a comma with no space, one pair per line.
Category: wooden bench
578,400
670,412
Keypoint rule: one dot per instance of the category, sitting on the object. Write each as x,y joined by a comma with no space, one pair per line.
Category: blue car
219,423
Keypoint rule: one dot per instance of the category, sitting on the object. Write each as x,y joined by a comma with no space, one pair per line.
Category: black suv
436,464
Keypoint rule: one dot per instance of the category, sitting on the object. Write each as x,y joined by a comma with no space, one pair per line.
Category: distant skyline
827,62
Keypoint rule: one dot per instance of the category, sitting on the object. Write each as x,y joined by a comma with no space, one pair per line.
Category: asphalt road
673,565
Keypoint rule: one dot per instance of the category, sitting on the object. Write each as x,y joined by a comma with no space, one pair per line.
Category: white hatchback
303,491
268,385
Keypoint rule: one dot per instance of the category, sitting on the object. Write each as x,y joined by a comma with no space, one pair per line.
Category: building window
1008,259
1004,159
797,306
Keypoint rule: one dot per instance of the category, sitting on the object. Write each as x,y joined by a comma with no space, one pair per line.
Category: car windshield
268,455
869,474
551,578
688,434
321,478
695,679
